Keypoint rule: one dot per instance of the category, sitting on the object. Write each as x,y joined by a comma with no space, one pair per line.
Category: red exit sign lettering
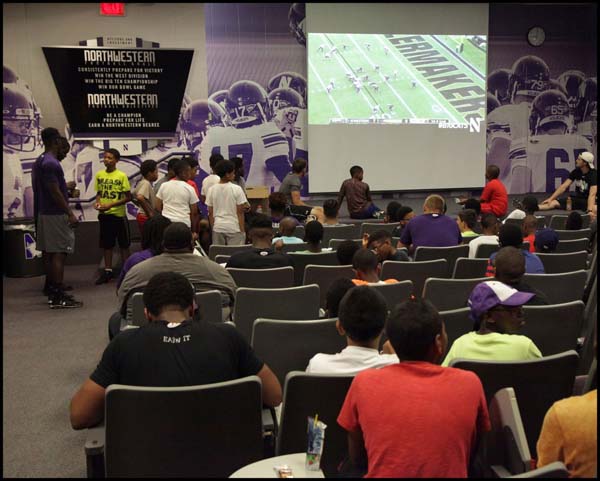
112,9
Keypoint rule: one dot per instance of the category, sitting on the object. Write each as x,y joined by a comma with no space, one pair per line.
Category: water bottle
569,203
259,209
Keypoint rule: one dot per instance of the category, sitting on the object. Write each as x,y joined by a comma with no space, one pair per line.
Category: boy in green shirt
113,192
497,310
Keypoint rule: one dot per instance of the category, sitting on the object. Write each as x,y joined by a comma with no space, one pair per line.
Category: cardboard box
260,192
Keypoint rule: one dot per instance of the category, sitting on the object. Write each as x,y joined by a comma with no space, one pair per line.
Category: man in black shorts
585,178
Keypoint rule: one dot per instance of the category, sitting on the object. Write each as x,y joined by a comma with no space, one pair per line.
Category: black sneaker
64,302
105,277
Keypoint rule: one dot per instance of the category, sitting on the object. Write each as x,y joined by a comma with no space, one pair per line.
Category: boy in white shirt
211,179
490,228
177,200
362,316
226,202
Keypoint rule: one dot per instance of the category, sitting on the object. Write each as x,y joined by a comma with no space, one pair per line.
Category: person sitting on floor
466,220
171,350
528,228
497,312
510,269
286,228
380,242
415,418
262,255
330,212
489,234
362,315
358,196
345,252
546,241
367,269
510,235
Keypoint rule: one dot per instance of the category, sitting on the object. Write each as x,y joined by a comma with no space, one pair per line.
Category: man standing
54,218
585,178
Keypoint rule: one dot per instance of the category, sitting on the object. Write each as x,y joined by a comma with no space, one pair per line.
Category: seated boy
367,269
380,242
362,315
358,196
286,228
466,220
528,228
497,311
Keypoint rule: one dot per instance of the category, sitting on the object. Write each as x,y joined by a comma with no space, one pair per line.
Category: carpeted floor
47,356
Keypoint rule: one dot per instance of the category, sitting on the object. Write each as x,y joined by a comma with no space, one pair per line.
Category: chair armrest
500,471
269,421
94,451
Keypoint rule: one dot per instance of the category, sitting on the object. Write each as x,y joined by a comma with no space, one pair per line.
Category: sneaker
64,302
63,287
105,277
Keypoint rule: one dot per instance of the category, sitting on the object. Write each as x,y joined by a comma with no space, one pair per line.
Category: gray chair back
541,221
484,251
457,323
287,346
467,240
214,250
290,303
564,235
302,260
586,219
553,328
590,317
324,277
538,384
222,258
334,243
210,306
195,431
555,470
447,294
370,227
557,263
559,288
287,248
558,222
137,310
573,245
263,278
466,268
299,231
395,293
305,395
416,272
448,253
349,231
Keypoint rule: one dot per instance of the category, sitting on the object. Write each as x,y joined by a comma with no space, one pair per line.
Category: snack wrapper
316,440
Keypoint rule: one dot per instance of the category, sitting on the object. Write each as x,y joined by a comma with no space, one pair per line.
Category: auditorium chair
564,235
287,248
306,395
290,303
395,293
370,227
334,243
553,328
222,259
327,258
538,384
557,263
215,250
559,288
558,222
447,294
466,268
449,253
573,245
263,278
202,431
457,323
348,231
415,271
287,346
324,276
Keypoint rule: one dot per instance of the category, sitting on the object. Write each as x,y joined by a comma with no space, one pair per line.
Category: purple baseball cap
487,295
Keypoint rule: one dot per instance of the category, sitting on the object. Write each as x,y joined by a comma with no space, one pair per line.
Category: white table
264,467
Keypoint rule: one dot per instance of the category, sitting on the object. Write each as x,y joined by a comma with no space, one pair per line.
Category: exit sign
112,9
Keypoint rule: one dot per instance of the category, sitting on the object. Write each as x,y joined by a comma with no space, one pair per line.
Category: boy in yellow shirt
113,192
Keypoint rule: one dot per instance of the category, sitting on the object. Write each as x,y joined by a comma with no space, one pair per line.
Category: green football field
405,94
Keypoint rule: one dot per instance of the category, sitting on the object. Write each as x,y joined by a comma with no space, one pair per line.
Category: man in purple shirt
53,217
432,228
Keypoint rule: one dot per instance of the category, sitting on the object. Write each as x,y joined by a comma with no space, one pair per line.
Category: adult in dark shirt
262,255
171,350
292,185
510,269
432,228
585,178
358,196
380,242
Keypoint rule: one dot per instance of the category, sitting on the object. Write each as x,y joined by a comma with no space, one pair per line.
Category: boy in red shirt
415,418
494,199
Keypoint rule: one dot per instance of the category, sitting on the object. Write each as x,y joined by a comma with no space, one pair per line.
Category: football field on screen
397,89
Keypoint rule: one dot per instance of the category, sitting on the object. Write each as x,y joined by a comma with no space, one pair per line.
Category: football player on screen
508,125
254,138
549,155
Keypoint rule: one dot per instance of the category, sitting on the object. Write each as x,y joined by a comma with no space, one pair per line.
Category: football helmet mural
8,75
197,119
283,98
549,109
247,104
571,81
296,17
555,84
219,96
497,85
291,80
492,102
529,77
20,119
588,95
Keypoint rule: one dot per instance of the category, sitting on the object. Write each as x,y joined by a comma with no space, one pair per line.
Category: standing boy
112,193
358,196
226,202
212,178
144,193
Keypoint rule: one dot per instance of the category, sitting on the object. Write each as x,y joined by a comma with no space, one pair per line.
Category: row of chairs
212,433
